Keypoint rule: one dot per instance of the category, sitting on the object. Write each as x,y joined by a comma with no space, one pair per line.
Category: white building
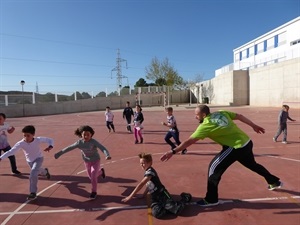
278,45
264,72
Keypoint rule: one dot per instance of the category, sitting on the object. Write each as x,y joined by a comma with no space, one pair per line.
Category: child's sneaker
16,172
47,173
276,185
31,196
93,195
284,142
103,173
180,207
205,203
184,151
274,139
136,142
142,140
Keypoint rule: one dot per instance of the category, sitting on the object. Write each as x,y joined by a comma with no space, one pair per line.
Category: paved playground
63,199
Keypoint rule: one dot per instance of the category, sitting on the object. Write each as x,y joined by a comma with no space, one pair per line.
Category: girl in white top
109,118
34,156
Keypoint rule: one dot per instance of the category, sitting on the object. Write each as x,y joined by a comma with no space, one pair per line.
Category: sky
63,46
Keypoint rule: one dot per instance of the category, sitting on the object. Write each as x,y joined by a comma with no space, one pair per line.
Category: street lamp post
22,84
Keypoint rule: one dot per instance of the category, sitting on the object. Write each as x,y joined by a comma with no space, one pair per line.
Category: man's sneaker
142,140
47,173
274,186
184,151
274,139
284,142
180,207
31,196
93,195
136,142
103,173
16,172
205,203
185,197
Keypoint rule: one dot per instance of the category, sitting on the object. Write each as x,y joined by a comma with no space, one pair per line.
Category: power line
58,62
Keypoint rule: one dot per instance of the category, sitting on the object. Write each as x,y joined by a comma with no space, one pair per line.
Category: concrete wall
276,84
231,88
271,85
93,104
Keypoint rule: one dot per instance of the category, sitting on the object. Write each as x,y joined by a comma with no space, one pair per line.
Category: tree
163,71
101,94
141,83
161,82
86,95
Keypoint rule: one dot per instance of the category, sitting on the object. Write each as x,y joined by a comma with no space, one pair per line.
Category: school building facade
265,72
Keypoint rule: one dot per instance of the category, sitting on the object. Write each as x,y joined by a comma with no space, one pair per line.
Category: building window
276,41
281,39
270,43
260,48
251,51
295,42
255,49
265,45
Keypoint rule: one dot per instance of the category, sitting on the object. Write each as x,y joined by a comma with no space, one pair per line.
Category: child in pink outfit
90,155
138,120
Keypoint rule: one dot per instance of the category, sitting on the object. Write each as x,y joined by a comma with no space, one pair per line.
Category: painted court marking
136,207
18,212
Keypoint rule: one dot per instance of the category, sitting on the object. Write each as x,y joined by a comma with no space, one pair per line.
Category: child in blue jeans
282,123
34,156
173,131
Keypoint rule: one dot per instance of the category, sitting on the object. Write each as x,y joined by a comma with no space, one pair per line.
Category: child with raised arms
90,155
34,156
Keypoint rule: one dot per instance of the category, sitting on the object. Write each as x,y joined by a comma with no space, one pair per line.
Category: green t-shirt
219,127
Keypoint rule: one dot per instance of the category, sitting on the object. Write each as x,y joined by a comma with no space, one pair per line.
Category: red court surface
64,198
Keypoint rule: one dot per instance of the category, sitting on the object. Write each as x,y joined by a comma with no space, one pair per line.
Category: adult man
237,146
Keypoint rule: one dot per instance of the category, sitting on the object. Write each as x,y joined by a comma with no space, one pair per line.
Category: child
138,120
161,201
4,145
109,118
127,114
282,124
90,155
173,130
33,155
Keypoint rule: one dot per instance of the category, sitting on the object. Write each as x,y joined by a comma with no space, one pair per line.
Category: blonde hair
146,156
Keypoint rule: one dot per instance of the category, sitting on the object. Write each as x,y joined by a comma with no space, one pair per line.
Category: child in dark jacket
162,202
282,123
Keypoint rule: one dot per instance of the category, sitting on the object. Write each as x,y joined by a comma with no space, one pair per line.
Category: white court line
201,151
11,214
143,206
277,157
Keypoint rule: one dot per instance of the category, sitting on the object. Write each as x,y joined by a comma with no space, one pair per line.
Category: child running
161,201
90,155
128,114
109,118
4,145
33,155
173,130
282,124
138,120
